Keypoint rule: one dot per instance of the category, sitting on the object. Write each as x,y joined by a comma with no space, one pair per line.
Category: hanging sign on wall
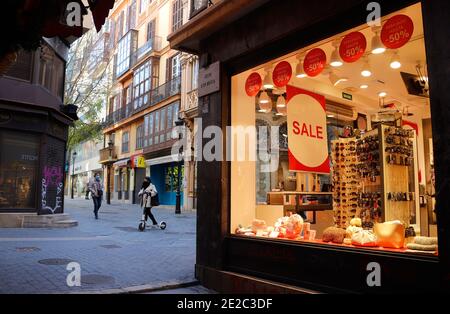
307,131
253,84
315,62
397,31
352,47
282,74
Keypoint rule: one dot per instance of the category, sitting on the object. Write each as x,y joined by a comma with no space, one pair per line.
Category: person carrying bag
149,198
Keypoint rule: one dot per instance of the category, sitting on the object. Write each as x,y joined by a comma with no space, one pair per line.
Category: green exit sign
347,96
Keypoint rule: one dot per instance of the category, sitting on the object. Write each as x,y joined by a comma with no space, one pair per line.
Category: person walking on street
88,188
97,193
146,193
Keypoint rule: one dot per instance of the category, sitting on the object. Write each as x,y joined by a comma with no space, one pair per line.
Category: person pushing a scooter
147,192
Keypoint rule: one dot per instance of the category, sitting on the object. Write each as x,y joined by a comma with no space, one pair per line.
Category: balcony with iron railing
154,96
153,44
108,155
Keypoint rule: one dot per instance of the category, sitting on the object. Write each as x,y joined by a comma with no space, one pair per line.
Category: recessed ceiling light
364,86
382,94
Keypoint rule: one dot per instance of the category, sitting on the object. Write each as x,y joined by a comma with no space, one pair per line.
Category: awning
121,163
162,160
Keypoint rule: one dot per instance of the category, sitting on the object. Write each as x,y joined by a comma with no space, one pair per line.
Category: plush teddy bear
333,234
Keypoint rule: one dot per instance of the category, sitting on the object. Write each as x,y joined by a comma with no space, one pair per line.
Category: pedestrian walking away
97,193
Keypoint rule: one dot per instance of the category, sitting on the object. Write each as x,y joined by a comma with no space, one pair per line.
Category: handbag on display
390,234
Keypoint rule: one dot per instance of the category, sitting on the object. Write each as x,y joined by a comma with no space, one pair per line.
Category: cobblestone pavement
113,255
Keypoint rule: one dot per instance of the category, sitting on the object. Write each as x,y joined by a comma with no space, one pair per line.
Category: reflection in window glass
18,169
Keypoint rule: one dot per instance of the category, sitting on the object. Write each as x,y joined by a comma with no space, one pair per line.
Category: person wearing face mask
97,193
146,193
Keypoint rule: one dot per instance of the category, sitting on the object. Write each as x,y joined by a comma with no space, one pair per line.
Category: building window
158,124
141,85
125,142
194,74
140,136
131,16
123,55
151,31
120,25
19,167
177,14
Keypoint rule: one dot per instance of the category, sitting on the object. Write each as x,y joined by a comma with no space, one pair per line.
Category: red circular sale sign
397,31
253,84
315,62
282,74
353,47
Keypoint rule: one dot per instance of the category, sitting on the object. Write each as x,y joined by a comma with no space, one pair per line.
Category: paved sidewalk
114,256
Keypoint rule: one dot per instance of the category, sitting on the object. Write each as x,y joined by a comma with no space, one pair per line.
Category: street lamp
108,173
179,123
74,155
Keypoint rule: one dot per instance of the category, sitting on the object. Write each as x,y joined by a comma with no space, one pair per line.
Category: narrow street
114,256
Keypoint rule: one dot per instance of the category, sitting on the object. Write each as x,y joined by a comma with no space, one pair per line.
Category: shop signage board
282,74
352,47
307,131
253,84
209,80
314,62
397,31
138,162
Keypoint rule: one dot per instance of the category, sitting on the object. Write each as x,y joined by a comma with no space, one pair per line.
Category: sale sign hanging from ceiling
314,62
397,31
282,74
253,84
353,47
307,131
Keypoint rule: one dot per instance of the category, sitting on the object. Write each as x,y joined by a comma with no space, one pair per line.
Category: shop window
125,142
19,167
343,168
171,178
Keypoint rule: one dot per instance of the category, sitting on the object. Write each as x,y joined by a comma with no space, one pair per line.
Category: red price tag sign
315,62
282,74
253,84
353,47
397,31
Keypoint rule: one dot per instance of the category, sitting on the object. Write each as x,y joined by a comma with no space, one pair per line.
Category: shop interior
379,192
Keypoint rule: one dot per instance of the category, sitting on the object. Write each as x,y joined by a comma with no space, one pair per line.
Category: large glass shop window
19,165
331,143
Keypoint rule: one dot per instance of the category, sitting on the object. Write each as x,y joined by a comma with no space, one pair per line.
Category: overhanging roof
188,38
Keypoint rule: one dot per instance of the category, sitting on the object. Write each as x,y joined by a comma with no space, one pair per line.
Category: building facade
33,131
145,101
267,231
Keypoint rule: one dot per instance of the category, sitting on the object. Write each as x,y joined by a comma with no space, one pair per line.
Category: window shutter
168,69
22,68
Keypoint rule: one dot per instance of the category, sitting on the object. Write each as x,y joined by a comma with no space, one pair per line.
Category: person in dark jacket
97,193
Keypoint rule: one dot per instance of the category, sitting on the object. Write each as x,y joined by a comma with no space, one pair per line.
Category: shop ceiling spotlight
281,102
395,61
382,94
377,45
364,86
267,83
366,71
299,71
265,103
336,80
335,60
